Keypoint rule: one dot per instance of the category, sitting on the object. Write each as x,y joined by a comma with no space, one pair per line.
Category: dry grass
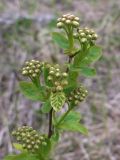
101,111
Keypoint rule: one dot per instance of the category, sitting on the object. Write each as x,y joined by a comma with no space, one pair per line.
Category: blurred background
25,33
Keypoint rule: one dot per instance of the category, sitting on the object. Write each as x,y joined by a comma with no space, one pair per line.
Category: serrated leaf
31,91
74,127
72,123
57,100
22,156
72,117
60,40
46,107
88,71
94,53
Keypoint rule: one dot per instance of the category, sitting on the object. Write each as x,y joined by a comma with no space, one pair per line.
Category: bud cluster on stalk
86,35
57,77
30,139
32,68
68,19
78,95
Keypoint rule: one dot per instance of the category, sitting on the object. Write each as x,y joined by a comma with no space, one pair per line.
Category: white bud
75,23
82,34
60,24
68,21
76,19
65,74
24,72
63,19
83,40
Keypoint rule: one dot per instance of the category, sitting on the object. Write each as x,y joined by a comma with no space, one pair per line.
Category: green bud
59,19
65,74
30,71
29,147
75,23
59,88
83,40
34,75
75,35
44,143
24,72
38,66
51,72
31,64
68,21
36,147
94,36
57,83
76,102
57,74
37,71
33,61
27,63
49,78
76,19
89,36
82,34
64,82
63,19
60,24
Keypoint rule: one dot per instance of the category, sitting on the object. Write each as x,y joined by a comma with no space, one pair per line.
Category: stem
50,132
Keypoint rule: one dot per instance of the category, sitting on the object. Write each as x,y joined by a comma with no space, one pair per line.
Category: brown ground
20,41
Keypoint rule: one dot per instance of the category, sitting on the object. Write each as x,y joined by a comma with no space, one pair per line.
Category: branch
50,132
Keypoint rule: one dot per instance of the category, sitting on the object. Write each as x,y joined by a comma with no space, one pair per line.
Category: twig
50,131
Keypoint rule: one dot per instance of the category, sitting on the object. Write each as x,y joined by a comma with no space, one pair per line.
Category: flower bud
49,78
68,21
60,24
75,23
83,40
57,74
65,74
59,88
76,19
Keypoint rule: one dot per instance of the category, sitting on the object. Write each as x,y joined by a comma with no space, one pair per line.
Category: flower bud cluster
78,95
57,77
32,68
30,139
86,35
68,19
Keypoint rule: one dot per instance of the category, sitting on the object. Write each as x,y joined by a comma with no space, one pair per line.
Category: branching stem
50,131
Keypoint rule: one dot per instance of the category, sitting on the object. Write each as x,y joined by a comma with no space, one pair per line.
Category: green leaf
88,71
18,147
46,107
22,156
31,91
69,88
72,117
57,100
55,137
94,53
74,127
60,40
71,123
